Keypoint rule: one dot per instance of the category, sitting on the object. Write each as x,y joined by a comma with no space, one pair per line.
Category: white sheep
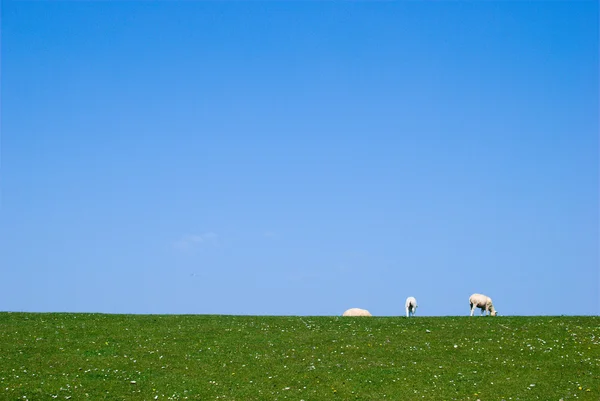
357,312
411,306
482,302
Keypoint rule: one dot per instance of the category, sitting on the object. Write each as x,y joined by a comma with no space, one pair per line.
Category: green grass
205,357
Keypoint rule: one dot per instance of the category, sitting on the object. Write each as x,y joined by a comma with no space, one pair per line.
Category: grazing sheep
482,302
411,306
357,312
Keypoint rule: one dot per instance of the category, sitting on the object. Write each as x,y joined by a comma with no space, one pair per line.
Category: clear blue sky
299,158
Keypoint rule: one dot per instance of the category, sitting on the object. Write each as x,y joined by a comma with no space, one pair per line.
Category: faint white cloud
195,240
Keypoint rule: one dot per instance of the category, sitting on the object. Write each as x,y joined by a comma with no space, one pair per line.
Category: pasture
208,357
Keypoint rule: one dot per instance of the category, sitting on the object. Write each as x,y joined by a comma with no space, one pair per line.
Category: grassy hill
207,357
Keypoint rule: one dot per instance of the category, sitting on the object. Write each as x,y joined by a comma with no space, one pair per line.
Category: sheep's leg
407,312
472,309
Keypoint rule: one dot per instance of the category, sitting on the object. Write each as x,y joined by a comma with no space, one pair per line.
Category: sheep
482,302
357,312
411,306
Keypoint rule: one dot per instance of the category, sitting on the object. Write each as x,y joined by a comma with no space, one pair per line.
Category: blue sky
299,158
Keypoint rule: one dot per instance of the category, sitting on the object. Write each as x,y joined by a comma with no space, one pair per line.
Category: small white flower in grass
532,385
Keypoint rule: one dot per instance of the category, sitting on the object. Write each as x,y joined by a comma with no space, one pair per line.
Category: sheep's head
494,312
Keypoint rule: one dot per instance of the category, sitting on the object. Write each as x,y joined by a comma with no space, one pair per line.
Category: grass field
209,357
